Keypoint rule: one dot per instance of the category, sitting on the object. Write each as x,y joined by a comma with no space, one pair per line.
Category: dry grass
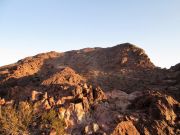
20,119
55,123
15,120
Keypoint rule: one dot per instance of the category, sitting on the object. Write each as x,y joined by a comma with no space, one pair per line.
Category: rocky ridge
115,90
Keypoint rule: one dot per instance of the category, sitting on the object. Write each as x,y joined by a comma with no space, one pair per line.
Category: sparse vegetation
15,120
21,120
53,121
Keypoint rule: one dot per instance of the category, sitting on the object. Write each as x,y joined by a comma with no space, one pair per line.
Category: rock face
109,68
125,128
159,110
104,91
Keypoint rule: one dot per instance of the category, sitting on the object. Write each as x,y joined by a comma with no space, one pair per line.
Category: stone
35,95
80,96
46,105
125,128
95,127
124,60
11,102
78,108
86,105
78,90
99,94
66,99
51,101
2,101
85,86
62,111
45,96
88,130
53,132
59,102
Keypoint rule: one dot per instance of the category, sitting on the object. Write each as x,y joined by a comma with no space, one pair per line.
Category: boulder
125,128
35,95
2,101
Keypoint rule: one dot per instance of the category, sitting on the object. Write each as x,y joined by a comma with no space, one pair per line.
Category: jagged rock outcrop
125,128
156,113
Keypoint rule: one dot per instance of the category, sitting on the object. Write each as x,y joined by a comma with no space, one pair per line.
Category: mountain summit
115,90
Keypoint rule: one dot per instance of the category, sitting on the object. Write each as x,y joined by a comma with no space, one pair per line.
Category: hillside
103,91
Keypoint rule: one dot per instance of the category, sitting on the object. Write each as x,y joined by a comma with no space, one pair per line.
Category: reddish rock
125,128
102,90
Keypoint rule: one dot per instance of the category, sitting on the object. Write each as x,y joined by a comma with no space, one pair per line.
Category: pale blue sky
28,27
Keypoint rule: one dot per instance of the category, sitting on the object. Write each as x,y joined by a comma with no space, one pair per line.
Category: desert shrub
15,120
50,119
25,112
22,120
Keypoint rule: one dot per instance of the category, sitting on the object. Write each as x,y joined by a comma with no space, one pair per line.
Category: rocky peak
115,90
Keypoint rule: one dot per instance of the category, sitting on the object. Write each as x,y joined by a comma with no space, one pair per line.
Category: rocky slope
115,90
